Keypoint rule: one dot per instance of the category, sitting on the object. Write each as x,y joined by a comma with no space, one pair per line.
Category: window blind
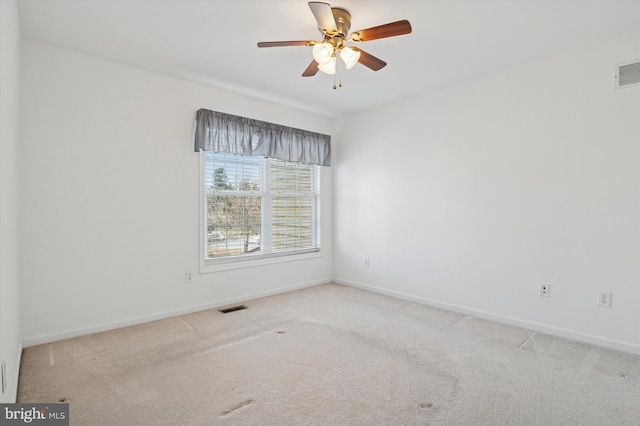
259,206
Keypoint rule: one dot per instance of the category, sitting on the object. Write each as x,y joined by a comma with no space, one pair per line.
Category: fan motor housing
343,20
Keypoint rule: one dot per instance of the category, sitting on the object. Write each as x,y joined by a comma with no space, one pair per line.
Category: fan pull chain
339,73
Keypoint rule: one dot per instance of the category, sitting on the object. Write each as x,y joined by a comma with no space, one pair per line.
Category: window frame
208,265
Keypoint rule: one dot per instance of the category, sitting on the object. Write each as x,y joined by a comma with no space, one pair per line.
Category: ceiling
214,42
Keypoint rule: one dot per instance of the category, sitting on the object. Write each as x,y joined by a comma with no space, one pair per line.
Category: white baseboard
554,331
39,340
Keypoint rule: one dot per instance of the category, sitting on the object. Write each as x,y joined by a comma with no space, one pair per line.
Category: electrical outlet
188,277
545,290
604,299
366,262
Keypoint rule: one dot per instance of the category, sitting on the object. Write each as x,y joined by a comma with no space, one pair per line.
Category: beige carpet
332,355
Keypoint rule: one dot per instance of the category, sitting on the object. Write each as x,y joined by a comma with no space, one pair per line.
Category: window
258,207
261,190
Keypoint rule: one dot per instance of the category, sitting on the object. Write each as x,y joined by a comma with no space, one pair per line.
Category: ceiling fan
334,24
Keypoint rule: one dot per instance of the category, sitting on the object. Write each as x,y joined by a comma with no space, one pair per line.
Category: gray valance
220,132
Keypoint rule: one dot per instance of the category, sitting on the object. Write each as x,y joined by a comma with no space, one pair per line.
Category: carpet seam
185,323
526,340
122,347
460,321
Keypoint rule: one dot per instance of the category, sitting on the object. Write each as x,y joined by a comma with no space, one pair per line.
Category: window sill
208,266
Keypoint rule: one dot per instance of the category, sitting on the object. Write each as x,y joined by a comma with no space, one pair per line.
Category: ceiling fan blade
387,30
324,16
369,60
283,43
311,70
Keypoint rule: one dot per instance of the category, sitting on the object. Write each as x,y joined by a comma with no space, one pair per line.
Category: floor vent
628,74
233,309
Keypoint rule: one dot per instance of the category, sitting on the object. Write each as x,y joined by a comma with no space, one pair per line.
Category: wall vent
628,74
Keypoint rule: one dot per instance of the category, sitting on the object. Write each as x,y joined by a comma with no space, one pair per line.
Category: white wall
110,197
10,344
471,197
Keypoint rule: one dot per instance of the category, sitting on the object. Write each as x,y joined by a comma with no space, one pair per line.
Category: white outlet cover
545,290
604,299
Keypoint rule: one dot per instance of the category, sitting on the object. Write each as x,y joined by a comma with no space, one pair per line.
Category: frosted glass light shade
329,67
349,56
322,53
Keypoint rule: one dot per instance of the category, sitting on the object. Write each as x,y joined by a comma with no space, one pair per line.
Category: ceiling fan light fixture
329,67
322,53
334,24
349,56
